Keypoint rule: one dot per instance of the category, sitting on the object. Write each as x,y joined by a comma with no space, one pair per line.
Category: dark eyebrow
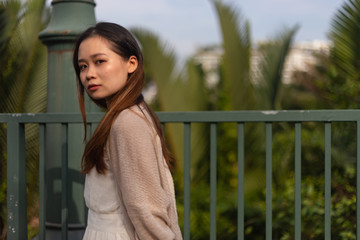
92,56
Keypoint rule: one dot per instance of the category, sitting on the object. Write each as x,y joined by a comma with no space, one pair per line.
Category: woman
129,189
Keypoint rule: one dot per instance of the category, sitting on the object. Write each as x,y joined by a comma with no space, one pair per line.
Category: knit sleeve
136,169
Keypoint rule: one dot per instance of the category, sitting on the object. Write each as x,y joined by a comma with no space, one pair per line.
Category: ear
132,64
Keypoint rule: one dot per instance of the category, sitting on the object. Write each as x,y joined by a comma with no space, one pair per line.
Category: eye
99,61
82,67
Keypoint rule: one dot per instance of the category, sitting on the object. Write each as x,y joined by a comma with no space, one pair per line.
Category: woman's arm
136,169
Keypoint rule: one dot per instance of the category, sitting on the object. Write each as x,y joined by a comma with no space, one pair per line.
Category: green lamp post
68,20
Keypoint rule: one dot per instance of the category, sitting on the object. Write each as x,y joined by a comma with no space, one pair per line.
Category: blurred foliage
235,66
343,212
306,91
23,71
335,79
273,55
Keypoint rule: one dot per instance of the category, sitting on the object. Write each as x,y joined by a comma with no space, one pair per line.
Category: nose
90,73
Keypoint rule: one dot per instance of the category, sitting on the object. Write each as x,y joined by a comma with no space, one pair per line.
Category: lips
93,87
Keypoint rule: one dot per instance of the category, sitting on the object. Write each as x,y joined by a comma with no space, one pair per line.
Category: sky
187,25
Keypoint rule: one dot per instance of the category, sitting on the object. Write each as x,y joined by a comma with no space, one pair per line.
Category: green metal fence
16,181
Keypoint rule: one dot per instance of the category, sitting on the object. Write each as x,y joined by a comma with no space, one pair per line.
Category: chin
96,97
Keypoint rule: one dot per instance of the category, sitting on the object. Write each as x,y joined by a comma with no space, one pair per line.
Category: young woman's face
102,71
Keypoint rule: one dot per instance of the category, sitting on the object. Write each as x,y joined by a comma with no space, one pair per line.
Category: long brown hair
124,44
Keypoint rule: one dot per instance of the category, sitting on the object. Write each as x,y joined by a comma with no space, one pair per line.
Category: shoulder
132,120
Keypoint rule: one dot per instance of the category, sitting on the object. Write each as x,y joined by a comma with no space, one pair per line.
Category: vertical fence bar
90,130
163,128
93,127
64,181
297,181
327,181
241,207
16,182
213,177
187,154
268,181
358,180
42,182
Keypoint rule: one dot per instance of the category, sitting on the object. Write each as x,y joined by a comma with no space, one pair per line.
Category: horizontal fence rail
16,180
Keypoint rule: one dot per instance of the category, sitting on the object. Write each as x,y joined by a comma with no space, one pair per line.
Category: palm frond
273,55
236,59
23,76
345,35
25,53
160,63
177,91
9,11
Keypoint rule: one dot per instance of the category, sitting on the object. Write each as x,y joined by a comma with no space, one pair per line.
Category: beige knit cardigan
144,181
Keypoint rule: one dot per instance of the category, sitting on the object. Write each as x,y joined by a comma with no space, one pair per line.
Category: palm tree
23,72
176,91
335,82
235,66
248,88
344,76
273,55
344,35
23,61
335,78
186,90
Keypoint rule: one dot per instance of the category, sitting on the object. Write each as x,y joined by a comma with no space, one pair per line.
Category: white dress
105,216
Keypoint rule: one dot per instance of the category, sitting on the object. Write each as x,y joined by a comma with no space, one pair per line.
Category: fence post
16,182
68,20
